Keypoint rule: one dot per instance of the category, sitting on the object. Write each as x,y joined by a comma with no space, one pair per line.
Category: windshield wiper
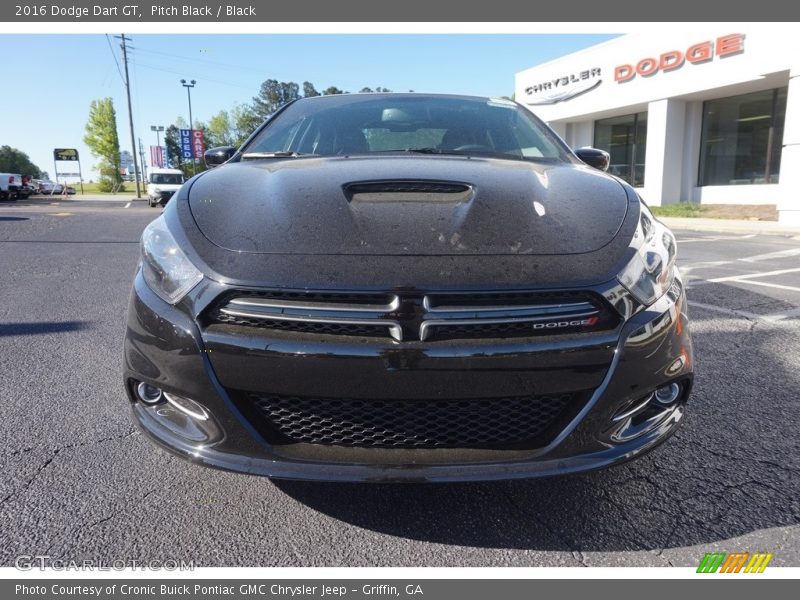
281,154
421,151
475,152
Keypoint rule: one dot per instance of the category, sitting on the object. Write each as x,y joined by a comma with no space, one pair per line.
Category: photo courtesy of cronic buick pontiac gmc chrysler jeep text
407,287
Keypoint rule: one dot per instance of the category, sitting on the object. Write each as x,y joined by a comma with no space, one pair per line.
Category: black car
407,287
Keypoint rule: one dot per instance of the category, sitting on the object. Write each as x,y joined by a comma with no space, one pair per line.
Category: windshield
365,124
166,178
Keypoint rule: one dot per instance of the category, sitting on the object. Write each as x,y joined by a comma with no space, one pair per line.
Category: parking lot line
787,314
716,238
753,275
777,286
776,318
128,205
771,255
747,278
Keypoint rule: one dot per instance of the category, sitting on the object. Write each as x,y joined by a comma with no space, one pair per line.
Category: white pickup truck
10,185
162,184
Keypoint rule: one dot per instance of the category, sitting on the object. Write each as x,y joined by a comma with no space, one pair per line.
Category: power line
114,56
228,83
227,66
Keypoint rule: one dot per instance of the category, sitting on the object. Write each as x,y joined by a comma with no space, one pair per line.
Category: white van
162,184
10,185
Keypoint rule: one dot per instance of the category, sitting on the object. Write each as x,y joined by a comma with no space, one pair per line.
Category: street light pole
189,87
158,129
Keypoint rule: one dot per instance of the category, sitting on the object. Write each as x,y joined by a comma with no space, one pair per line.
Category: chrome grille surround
409,317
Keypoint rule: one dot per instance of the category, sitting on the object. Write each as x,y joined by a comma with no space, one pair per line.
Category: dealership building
711,117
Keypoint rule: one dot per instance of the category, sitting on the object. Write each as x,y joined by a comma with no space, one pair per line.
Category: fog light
187,406
149,394
668,394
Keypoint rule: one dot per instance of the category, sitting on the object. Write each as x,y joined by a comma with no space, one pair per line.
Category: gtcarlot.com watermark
44,562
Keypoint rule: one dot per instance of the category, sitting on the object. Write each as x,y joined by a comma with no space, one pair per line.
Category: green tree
219,131
309,91
332,90
102,139
272,95
172,140
16,161
244,121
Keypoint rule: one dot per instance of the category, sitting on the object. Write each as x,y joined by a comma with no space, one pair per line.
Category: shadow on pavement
42,327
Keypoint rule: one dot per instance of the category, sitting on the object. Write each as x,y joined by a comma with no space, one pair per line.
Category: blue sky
61,74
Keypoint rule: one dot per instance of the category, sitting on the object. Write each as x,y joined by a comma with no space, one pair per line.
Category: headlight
651,271
165,267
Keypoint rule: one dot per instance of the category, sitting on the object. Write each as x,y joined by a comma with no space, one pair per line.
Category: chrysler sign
564,87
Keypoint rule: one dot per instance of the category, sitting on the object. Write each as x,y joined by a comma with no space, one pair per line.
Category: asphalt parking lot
79,482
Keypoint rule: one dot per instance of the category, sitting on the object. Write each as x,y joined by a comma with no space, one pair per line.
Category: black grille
472,423
487,330
478,299
303,326
405,186
410,317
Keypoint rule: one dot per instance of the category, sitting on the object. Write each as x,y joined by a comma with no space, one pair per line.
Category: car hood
407,205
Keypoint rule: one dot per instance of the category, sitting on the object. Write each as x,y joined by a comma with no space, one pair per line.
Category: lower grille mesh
471,423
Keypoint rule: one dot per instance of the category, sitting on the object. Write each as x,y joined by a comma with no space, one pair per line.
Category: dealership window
742,137
625,138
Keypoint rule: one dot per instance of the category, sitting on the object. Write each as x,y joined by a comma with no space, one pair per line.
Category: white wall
664,157
789,202
737,194
692,133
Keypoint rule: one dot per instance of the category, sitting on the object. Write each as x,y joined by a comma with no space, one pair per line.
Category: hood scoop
407,190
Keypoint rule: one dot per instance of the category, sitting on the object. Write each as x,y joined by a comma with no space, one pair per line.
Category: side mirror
214,157
594,157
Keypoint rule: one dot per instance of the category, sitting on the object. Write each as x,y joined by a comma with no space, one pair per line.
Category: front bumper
163,197
166,348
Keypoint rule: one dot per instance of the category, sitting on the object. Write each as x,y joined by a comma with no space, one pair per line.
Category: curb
730,226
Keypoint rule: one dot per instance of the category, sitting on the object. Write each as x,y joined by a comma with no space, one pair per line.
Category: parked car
49,187
10,184
407,287
162,184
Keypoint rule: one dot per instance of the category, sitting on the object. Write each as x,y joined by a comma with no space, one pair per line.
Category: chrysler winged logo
566,87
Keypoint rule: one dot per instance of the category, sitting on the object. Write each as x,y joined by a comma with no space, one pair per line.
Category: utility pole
130,112
144,168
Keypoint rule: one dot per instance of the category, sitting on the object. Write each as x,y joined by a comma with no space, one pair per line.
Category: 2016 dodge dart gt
407,287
